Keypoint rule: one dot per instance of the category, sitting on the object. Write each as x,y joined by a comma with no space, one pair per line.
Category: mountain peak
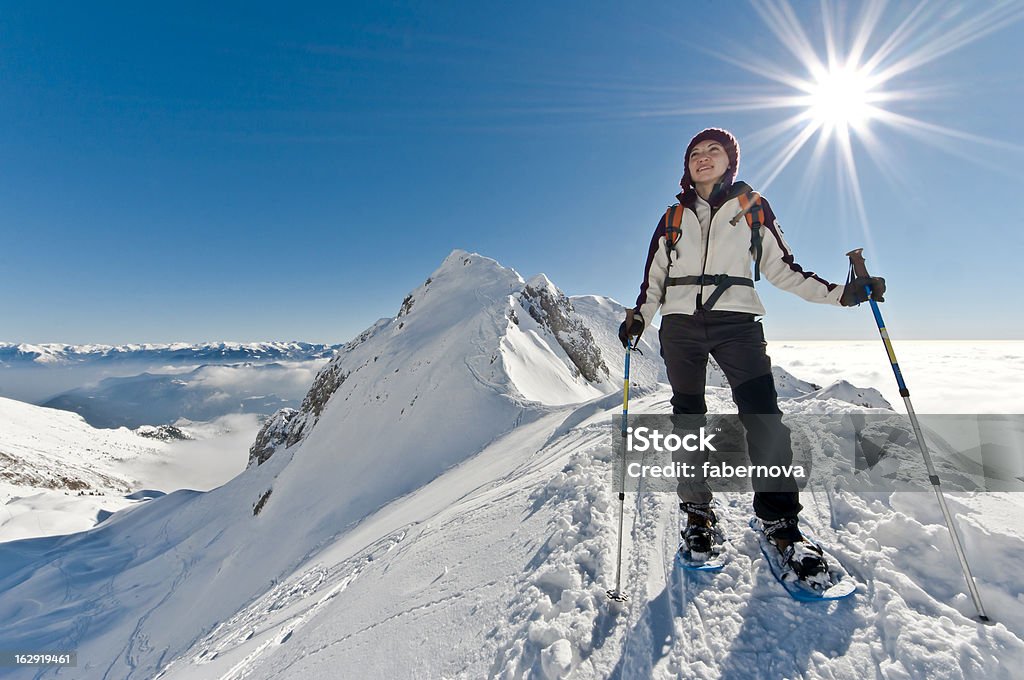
459,260
474,331
542,282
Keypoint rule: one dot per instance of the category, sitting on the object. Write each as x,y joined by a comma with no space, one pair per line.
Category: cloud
218,453
290,381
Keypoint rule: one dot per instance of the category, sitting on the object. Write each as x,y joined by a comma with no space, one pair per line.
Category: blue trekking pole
860,270
616,594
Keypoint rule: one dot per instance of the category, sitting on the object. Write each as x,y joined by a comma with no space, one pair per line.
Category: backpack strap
673,231
752,210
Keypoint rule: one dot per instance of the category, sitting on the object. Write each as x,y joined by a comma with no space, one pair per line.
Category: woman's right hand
632,326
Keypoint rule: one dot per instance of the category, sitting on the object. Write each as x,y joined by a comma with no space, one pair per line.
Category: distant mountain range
39,374
58,354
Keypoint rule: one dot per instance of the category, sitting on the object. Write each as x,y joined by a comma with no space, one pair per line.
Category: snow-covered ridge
842,390
520,341
541,346
48,448
57,472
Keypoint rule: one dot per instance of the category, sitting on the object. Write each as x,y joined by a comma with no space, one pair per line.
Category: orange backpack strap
673,231
673,222
752,210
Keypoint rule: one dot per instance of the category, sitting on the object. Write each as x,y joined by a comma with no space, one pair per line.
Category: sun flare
840,97
845,82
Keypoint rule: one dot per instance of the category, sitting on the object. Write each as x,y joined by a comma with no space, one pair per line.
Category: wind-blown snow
531,364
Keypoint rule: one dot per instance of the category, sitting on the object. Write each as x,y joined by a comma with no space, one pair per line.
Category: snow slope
420,516
54,449
508,581
603,316
59,475
408,399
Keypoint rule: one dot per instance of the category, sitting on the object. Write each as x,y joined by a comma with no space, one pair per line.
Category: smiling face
708,162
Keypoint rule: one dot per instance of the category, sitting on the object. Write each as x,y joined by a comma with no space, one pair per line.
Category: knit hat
728,142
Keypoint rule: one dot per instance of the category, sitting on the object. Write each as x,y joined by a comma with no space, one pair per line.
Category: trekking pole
861,270
616,594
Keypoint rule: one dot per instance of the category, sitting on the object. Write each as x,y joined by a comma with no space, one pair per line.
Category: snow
841,390
603,316
60,475
542,282
531,364
57,449
445,515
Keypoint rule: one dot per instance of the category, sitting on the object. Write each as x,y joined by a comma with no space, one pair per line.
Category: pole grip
860,269
629,319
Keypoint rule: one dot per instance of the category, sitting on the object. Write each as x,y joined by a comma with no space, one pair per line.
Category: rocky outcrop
550,308
273,434
287,426
165,433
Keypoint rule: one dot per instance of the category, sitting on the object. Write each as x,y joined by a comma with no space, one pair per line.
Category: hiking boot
803,557
701,532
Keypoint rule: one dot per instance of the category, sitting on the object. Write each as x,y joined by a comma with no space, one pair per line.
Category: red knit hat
728,142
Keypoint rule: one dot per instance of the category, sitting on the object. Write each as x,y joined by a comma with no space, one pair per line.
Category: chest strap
721,281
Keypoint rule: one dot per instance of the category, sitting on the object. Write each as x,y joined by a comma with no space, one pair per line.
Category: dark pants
736,341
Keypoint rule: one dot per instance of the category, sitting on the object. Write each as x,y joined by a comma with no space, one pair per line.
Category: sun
840,97
846,82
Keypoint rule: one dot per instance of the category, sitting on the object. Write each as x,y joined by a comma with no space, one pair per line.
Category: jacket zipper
704,263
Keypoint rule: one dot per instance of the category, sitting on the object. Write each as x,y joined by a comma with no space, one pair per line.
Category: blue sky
255,172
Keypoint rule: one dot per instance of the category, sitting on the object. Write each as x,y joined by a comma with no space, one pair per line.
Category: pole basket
616,596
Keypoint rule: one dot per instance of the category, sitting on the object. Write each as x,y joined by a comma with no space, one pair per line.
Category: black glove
635,329
855,292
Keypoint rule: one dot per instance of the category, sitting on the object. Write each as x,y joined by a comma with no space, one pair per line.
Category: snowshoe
808,563
701,539
803,558
801,566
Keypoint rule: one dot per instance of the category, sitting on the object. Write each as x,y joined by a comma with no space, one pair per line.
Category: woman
700,278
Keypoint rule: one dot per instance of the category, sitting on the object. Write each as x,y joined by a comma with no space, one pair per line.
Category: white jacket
728,252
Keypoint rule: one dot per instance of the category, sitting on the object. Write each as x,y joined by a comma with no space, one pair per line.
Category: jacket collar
722,193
